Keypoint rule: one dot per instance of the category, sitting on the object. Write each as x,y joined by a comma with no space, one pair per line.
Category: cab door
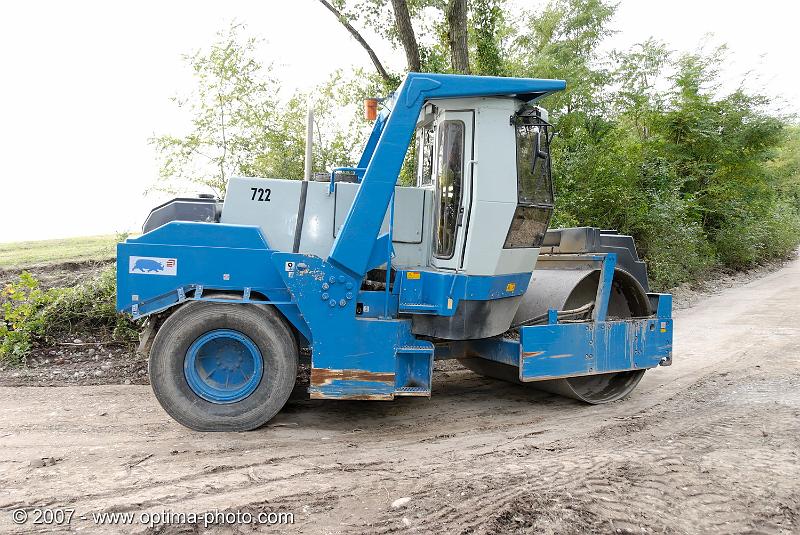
452,187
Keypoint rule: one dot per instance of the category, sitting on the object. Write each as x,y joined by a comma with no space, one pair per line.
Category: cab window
425,152
449,176
534,182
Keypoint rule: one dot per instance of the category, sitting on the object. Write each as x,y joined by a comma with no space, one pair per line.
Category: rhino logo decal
153,266
145,264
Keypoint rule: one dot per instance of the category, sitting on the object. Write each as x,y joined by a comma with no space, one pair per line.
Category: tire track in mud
597,489
647,476
679,485
556,473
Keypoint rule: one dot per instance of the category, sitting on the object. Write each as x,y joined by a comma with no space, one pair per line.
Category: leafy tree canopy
650,142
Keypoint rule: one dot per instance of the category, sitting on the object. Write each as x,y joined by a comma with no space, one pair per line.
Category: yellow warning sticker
510,287
413,275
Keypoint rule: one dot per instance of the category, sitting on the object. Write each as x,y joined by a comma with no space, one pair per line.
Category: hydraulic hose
575,313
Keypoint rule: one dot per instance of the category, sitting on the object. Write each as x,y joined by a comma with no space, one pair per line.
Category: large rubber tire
262,325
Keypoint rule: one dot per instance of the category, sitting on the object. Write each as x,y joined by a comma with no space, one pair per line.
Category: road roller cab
377,280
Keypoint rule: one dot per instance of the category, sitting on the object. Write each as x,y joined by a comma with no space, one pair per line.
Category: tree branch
456,14
357,36
405,32
224,140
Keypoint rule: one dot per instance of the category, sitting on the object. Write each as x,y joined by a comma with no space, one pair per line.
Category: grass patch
43,252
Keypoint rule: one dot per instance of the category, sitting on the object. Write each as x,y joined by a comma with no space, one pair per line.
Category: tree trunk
405,31
355,33
456,15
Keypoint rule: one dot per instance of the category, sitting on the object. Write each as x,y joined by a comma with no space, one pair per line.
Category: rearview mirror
538,152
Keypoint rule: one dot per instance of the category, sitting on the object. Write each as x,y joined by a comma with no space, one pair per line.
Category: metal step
414,368
418,308
412,391
419,350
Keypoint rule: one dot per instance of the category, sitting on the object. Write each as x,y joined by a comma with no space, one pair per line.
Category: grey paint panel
408,212
409,204
317,235
277,217
324,214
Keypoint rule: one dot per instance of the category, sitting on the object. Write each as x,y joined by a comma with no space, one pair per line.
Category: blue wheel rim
223,366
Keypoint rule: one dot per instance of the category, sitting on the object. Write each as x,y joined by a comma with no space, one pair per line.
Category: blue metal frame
561,350
389,254
436,292
210,258
354,357
568,350
604,287
557,350
374,136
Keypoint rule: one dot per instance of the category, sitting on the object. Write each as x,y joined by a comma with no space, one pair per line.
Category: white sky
84,84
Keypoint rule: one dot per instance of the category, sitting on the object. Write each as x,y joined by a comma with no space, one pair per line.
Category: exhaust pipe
309,143
301,210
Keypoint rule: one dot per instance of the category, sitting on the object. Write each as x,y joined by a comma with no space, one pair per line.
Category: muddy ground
711,444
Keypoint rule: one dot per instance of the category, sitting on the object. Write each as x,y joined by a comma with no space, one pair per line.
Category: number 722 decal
260,194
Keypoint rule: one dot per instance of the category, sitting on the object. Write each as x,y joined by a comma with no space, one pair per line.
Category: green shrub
22,301
675,253
30,315
782,230
757,236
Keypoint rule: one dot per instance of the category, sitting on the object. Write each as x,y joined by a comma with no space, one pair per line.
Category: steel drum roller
570,289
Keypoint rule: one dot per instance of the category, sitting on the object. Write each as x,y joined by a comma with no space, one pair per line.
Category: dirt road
711,444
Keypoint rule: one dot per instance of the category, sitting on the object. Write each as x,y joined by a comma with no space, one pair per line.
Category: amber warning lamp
371,109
